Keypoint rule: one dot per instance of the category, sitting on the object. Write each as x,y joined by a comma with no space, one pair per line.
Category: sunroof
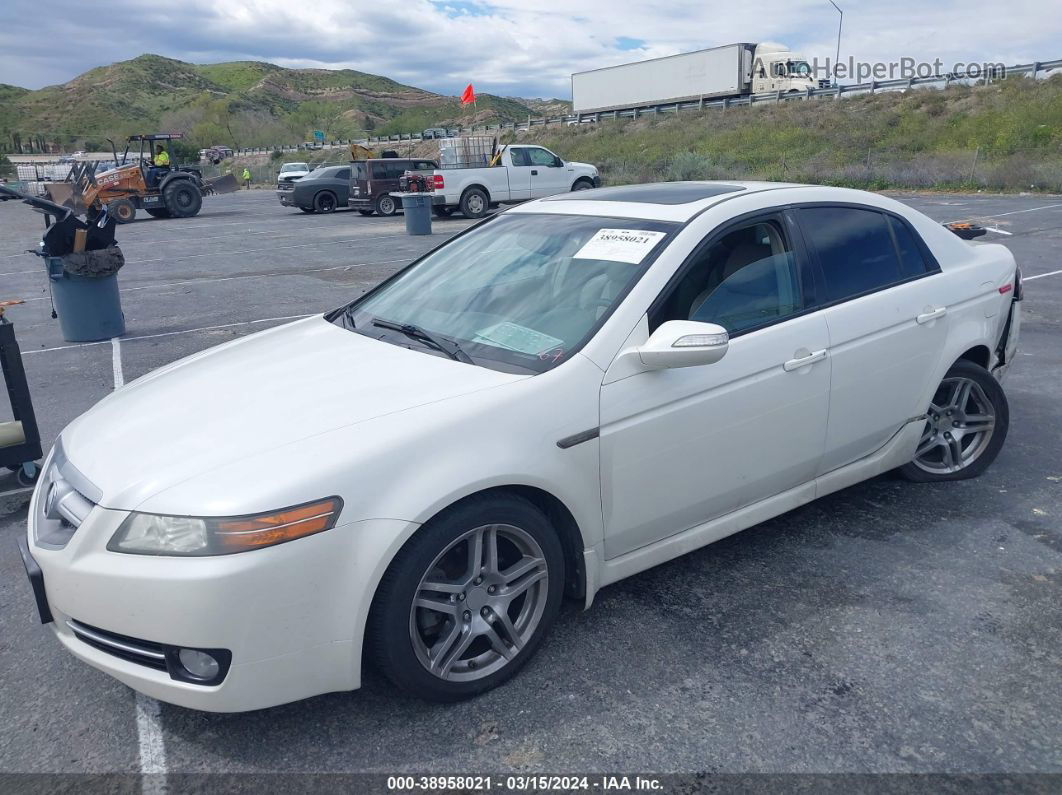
657,193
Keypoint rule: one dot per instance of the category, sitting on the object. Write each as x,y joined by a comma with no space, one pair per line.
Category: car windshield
800,68
520,293
284,169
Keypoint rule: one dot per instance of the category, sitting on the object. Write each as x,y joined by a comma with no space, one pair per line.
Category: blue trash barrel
89,307
417,207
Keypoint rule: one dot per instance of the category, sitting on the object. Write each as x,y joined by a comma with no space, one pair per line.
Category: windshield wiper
449,347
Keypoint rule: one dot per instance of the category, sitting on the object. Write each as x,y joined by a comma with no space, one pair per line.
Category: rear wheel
468,600
386,205
474,203
965,428
157,212
121,210
182,198
324,202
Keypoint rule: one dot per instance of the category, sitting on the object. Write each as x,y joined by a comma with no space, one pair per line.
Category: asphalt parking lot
888,628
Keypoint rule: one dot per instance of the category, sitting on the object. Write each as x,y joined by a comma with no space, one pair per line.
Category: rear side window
358,171
520,157
389,169
912,263
343,173
855,249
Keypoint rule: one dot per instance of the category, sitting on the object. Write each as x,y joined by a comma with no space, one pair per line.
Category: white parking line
1039,276
167,334
152,747
1001,215
116,362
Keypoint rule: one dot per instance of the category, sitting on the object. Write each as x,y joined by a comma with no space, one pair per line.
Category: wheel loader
164,192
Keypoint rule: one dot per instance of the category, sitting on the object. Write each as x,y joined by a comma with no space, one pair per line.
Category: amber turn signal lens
263,530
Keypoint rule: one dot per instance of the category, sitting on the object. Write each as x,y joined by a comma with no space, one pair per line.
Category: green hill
1003,136
239,104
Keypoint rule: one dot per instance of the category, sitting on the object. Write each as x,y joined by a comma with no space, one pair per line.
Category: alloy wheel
959,427
479,603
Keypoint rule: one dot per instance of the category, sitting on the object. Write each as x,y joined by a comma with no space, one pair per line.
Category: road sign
318,135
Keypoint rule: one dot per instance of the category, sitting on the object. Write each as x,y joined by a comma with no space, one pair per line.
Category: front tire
122,210
966,426
582,184
469,599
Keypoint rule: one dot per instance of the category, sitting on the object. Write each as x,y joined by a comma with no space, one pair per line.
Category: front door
681,447
548,173
519,173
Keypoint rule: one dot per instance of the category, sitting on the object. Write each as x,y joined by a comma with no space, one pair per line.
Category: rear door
519,173
885,304
359,180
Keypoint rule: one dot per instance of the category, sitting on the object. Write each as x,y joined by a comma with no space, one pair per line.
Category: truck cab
775,68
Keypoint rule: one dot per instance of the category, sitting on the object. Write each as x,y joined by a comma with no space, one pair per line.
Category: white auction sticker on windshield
620,245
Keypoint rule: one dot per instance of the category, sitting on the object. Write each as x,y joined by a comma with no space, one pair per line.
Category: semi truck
733,70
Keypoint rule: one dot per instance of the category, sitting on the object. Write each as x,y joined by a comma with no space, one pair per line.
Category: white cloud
517,47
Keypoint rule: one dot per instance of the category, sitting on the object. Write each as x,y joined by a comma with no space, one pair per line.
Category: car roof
660,201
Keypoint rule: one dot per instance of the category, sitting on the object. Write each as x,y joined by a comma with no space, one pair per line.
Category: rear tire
498,570
122,210
966,426
324,202
182,198
475,203
386,205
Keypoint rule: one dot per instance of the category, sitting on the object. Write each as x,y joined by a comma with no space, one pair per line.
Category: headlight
152,534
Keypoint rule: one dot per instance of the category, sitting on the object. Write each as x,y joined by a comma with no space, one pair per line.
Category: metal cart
20,440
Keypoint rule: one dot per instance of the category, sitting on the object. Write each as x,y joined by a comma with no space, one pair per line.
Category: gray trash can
417,207
89,307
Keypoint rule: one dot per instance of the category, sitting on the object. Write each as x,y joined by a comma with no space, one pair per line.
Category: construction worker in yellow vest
247,178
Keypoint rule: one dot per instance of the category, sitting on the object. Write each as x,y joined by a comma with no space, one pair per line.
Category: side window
745,279
540,157
520,157
777,70
855,249
912,263
343,173
379,170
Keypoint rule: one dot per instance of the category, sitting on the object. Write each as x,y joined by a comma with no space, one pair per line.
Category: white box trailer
733,70
718,72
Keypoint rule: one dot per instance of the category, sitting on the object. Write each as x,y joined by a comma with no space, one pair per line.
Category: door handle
534,172
804,361
933,314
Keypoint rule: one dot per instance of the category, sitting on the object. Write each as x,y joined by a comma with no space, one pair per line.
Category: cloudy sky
511,47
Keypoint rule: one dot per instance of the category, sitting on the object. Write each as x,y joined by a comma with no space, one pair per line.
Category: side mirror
684,343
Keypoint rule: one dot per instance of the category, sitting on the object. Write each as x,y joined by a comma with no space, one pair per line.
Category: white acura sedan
563,395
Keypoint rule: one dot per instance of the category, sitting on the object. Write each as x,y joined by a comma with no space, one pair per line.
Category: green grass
921,139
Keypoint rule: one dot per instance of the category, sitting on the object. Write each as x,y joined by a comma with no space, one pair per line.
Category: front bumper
292,615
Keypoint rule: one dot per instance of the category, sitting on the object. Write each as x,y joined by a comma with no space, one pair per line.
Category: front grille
142,652
65,498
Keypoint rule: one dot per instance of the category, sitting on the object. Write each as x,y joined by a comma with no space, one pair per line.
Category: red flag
469,96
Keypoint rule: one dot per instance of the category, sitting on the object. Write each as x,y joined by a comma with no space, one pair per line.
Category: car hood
252,396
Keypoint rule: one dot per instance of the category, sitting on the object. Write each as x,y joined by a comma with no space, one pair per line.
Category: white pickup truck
521,173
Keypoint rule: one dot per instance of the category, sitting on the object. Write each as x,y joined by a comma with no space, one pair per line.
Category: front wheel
966,426
182,198
469,599
582,184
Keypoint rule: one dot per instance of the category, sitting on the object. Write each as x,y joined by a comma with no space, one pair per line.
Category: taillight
437,182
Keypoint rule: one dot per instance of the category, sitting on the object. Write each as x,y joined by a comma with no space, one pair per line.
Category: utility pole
840,22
